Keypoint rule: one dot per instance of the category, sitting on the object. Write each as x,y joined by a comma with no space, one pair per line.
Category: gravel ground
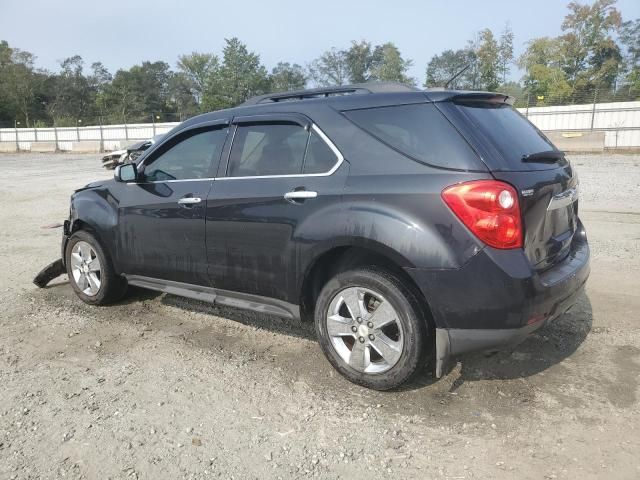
162,387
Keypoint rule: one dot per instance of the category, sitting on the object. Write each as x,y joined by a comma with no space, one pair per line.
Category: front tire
91,272
371,328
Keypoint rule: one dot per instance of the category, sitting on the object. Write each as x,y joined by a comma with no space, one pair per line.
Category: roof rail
359,88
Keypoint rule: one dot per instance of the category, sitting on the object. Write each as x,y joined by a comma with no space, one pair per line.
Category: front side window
189,159
267,149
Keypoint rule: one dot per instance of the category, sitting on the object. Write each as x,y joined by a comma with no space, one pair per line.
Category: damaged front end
57,267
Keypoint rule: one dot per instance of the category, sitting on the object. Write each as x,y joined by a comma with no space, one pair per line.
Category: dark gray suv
408,225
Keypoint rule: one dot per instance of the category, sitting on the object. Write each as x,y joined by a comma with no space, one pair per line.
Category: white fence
107,137
588,127
619,121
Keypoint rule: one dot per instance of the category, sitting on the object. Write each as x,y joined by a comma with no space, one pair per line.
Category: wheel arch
343,257
92,212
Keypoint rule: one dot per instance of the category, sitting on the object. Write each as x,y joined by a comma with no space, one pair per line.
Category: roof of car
326,92
345,97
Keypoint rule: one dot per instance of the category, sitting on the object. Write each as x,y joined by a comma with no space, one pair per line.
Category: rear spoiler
461,96
484,97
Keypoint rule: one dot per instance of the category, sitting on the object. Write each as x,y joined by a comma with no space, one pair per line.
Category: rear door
518,153
281,169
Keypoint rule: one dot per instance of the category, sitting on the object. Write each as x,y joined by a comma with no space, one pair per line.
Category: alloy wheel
365,330
86,269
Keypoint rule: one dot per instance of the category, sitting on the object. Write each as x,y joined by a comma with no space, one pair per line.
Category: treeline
597,56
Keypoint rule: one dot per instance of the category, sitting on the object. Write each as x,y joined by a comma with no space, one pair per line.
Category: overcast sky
120,33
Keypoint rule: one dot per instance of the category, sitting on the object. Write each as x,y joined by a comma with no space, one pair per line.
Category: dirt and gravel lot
162,387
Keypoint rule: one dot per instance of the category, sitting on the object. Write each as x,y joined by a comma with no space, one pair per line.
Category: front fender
94,209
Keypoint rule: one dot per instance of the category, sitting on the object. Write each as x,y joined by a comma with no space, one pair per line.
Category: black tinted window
189,159
420,131
320,158
508,131
267,149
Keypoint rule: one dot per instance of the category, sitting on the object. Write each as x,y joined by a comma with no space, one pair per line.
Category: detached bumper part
48,273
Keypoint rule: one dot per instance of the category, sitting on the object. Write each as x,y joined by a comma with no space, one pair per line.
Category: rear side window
419,131
512,134
267,149
320,158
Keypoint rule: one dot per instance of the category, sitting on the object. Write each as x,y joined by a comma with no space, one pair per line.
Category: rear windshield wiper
550,156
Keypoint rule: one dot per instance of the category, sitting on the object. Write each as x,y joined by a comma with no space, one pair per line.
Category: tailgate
516,152
549,207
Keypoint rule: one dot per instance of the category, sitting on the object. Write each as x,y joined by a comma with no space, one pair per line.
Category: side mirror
126,173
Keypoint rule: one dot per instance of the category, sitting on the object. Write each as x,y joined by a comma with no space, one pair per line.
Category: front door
162,216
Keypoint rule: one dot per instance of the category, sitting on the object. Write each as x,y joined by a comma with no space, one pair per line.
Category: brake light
490,209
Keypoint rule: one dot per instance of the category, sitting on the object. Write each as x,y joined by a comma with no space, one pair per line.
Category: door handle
299,195
189,200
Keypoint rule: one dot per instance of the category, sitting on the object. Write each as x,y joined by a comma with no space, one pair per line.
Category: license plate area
560,225
561,214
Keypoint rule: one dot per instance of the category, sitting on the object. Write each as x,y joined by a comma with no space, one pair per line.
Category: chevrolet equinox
408,225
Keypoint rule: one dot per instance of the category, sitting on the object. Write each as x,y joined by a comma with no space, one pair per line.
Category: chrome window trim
314,127
331,171
208,179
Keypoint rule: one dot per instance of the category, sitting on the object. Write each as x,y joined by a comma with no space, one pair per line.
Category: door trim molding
227,298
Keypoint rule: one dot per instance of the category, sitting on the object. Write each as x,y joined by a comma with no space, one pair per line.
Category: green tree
73,97
331,68
630,40
240,76
488,54
544,76
136,94
389,66
286,77
505,53
359,59
7,108
99,81
23,86
446,65
181,97
589,56
197,69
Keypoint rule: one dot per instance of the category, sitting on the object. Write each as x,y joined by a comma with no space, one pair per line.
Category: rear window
419,131
512,134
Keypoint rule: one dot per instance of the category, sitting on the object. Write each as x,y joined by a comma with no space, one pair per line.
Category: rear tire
371,328
91,271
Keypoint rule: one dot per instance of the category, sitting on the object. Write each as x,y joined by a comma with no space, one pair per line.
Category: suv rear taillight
490,209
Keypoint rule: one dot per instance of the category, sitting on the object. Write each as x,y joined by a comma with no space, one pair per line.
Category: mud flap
443,351
48,273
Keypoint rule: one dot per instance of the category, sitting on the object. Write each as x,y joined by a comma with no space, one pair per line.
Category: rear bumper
497,299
